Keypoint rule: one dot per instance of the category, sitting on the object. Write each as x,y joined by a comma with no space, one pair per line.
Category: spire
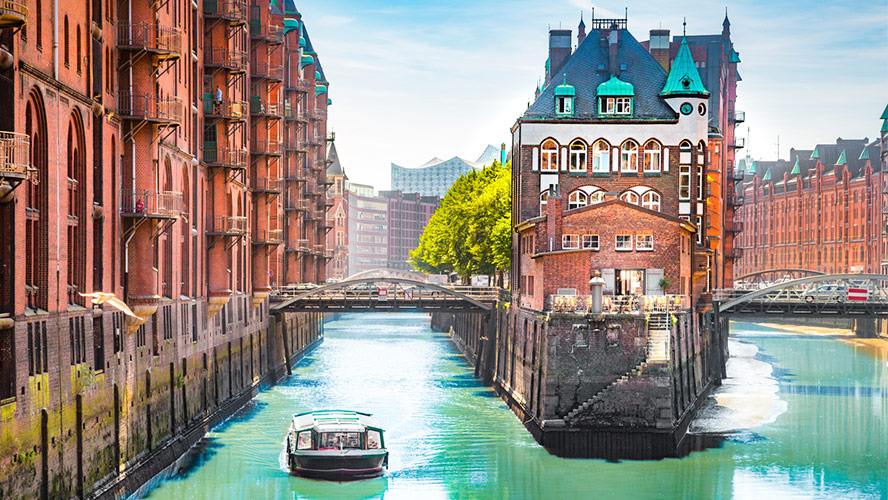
795,168
767,176
842,159
726,22
684,80
885,114
581,31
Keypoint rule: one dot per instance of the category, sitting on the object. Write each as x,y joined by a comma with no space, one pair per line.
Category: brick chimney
659,47
553,219
611,39
559,51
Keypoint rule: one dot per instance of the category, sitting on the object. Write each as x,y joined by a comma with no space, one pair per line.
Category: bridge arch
385,273
364,294
782,291
792,273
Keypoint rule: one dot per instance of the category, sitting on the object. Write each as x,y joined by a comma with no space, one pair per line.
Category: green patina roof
329,102
320,89
735,56
795,168
683,77
815,154
864,155
885,113
767,176
751,168
616,87
317,75
302,41
307,59
885,125
842,160
565,90
290,13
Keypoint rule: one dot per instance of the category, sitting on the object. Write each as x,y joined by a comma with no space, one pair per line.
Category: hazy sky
414,79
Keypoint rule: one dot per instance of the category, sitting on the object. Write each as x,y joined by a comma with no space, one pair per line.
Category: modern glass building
436,176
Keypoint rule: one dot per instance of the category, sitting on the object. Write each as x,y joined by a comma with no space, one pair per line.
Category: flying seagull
110,298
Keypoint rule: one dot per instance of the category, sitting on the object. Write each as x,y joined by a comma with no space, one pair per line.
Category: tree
470,233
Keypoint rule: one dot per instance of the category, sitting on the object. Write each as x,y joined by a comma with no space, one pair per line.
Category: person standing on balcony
217,101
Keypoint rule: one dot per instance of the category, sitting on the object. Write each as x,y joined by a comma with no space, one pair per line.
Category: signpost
383,295
858,294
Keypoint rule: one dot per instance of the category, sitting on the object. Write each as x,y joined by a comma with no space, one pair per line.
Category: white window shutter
666,159
536,160
652,279
564,159
609,281
615,159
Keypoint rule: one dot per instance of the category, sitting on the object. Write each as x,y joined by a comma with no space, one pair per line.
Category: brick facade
129,177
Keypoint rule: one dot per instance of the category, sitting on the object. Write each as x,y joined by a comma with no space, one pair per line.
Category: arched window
684,170
76,228
630,197
652,155
36,200
701,165
544,201
601,157
578,156
67,59
596,196
549,156
38,20
651,200
576,199
629,157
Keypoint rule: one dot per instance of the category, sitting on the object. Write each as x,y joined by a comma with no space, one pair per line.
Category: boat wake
747,399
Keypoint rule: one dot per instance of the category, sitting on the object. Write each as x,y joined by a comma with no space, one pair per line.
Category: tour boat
336,444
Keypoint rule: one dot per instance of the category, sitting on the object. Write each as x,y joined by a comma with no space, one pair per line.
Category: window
564,105
615,106
699,230
701,160
629,157
684,182
67,64
652,154
651,200
578,156
77,62
623,243
373,440
630,197
544,201
570,241
601,157
576,199
590,241
644,242
596,196
340,441
303,442
549,156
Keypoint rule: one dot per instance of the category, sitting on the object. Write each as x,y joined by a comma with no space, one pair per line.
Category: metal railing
739,116
152,204
226,58
144,106
227,224
317,114
150,37
618,304
227,109
262,69
733,226
258,106
735,253
296,176
739,142
269,237
299,205
268,147
15,154
268,184
226,157
302,245
299,86
228,9
265,31
13,13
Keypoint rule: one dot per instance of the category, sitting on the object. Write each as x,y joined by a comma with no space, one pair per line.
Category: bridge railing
618,304
393,291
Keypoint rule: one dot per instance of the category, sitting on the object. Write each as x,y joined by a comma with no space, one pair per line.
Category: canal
808,416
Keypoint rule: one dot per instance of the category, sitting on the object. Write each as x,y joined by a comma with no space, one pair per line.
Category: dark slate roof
309,49
581,71
335,167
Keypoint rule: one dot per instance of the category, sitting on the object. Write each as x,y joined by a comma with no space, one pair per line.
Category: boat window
373,441
304,441
340,440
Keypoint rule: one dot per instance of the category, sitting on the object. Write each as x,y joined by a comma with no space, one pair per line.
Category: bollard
596,288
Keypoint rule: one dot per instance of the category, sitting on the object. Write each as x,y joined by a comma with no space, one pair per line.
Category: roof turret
842,159
767,176
565,90
795,169
683,78
885,113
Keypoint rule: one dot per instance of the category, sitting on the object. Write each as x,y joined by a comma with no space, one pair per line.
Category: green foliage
665,282
471,233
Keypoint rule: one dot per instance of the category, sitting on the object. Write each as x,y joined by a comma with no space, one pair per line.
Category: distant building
819,210
367,230
408,215
436,176
337,238
360,189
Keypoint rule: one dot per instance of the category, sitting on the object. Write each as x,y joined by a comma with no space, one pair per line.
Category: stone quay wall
587,386
85,432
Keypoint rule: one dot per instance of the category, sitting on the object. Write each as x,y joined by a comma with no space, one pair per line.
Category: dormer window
564,99
615,97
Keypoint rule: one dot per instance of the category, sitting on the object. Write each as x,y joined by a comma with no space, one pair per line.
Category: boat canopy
334,421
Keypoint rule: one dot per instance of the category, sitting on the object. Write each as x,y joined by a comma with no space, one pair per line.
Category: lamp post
596,287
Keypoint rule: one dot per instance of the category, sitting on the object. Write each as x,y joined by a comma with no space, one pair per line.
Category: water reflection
450,437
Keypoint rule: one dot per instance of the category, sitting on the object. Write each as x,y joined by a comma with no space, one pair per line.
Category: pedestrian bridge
841,295
379,294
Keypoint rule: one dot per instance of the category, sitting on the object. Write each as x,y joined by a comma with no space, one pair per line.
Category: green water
450,437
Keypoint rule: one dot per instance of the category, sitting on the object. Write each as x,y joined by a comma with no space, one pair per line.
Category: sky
415,79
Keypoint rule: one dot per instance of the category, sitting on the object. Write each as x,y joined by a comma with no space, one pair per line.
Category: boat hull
337,466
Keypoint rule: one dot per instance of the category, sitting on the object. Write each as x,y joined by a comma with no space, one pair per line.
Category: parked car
830,292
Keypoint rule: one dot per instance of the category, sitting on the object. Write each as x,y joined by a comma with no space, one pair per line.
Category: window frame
588,238
544,201
652,193
628,157
651,164
578,156
599,154
630,193
579,204
647,237
570,241
560,107
549,156
629,238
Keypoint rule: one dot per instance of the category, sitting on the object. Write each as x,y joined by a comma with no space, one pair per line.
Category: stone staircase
589,403
658,338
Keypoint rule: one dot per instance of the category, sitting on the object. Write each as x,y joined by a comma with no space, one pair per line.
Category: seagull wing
121,306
